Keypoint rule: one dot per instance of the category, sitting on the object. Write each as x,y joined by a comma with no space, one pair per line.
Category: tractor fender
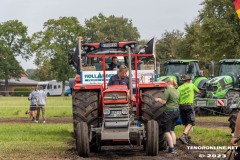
200,82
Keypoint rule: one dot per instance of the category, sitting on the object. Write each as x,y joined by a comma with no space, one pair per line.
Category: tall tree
13,42
53,44
168,45
101,29
219,29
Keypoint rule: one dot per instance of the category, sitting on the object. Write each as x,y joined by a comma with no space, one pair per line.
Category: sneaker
183,139
35,121
44,122
172,150
190,140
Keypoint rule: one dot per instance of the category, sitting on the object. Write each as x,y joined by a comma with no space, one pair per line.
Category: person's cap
185,77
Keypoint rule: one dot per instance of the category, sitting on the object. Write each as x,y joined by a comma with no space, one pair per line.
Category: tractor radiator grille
115,96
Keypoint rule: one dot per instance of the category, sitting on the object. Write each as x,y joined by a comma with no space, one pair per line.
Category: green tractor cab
223,89
176,68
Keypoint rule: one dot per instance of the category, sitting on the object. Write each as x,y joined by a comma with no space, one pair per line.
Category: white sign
201,103
96,77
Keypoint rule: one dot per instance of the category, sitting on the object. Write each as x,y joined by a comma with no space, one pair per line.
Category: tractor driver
121,78
113,65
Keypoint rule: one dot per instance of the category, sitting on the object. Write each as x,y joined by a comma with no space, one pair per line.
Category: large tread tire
232,119
152,138
82,139
85,107
152,110
231,99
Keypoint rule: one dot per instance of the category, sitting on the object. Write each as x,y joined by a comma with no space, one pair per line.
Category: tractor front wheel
82,139
231,98
152,138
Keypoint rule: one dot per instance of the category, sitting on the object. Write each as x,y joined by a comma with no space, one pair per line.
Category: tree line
213,33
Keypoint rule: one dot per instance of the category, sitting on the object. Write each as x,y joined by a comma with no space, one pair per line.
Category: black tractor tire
150,108
232,119
85,107
152,138
231,97
82,139
153,110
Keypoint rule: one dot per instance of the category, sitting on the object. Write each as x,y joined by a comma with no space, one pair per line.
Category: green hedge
22,91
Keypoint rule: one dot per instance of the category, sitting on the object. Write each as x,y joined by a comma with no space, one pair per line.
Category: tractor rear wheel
82,139
153,110
232,119
85,107
231,98
152,138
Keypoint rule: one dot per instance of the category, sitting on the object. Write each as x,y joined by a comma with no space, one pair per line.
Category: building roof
21,81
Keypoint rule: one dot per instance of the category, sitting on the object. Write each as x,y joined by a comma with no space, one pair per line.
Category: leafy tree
219,33
168,45
52,46
13,42
102,29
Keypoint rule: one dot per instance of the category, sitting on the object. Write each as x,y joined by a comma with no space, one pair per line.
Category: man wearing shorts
186,91
33,103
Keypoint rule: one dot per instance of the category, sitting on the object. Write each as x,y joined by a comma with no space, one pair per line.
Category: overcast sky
151,17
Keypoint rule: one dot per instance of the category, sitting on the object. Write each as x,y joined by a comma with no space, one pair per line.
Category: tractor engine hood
218,86
220,79
163,78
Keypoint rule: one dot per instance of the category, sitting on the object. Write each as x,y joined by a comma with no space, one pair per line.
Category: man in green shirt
186,91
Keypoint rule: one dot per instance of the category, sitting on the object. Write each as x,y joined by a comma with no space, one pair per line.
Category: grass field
23,141
16,106
34,141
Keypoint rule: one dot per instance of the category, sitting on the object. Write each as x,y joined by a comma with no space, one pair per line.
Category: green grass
26,140
36,141
207,136
16,106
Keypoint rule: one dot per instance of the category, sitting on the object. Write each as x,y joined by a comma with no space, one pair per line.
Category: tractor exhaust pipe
130,71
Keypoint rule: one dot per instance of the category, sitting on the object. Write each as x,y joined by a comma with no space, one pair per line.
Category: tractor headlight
124,110
106,111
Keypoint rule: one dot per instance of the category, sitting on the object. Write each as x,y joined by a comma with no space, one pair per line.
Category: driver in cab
121,78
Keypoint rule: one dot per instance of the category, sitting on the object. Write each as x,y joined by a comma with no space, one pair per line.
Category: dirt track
125,152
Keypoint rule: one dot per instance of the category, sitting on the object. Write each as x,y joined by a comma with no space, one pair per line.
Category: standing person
41,101
171,112
33,103
236,137
121,78
113,64
186,91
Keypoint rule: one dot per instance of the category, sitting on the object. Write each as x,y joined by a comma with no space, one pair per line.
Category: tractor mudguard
200,82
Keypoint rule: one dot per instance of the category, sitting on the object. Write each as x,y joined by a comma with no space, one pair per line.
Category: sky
151,17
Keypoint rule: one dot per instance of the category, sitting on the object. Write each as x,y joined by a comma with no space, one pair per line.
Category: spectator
33,103
171,112
186,91
236,137
121,78
41,101
113,64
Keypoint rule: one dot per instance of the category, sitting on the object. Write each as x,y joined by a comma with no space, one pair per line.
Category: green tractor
176,68
223,90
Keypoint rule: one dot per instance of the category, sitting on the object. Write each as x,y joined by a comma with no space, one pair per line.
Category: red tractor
115,114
